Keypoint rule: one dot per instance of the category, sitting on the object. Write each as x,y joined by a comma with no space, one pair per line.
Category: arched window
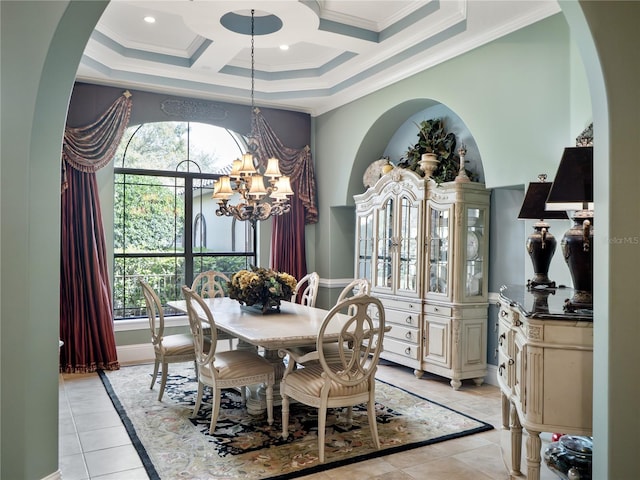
165,227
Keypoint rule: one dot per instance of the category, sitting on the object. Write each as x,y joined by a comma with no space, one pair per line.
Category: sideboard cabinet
424,249
545,370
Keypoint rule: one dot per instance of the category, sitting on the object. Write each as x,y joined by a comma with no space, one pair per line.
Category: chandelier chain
253,81
255,200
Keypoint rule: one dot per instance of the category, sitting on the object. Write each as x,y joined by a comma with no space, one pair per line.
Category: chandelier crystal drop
245,183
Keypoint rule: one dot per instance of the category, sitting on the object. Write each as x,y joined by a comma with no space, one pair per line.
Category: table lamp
541,244
573,190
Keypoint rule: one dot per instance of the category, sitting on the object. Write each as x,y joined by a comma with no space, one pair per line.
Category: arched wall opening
399,132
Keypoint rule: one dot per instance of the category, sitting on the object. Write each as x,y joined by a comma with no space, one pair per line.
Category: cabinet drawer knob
435,309
409,320
511,361
504,313
517,322
501,368
407,351
502,338
408,335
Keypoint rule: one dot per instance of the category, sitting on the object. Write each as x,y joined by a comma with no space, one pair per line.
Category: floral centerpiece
261,287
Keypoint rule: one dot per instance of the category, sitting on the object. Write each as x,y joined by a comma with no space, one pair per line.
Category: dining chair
359,286
175,348
210,284
306,290
327,384
228,369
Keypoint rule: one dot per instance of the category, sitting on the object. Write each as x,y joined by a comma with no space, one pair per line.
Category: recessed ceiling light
284,47
149,19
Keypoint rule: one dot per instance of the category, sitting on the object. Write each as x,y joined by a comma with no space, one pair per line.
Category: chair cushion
178,344
308,381
239,363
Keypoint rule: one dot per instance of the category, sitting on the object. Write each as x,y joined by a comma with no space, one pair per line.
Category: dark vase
541,245
577,247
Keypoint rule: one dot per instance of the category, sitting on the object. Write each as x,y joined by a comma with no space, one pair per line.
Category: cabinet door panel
437,341
474,351
408,241
384,272
439,244
364,246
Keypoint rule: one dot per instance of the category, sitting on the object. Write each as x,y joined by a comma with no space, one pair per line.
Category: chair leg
215,410
155,374
196,408
285,416
373,425
269,394
322,425
163,380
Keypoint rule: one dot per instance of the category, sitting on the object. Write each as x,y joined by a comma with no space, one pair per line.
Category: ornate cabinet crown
424,249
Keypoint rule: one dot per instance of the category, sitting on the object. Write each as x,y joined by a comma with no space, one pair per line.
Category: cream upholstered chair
331,384
176,348
210,284
231,369
306,290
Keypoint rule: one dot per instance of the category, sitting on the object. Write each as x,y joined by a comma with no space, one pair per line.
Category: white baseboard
134,354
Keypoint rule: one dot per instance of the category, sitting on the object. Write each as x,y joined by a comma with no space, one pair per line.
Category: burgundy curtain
288,237
86,312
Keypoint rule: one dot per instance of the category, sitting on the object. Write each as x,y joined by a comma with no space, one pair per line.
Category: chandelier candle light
257,201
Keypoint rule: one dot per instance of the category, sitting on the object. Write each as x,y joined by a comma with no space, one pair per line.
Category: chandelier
246,183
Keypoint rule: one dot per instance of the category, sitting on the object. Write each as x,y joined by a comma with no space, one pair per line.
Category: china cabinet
545,370
424,249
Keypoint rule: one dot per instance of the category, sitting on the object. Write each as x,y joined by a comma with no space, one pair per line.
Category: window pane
149,214
164,275
166,230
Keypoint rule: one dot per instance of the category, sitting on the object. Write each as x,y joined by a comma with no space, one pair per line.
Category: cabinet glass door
408,246
385,247
365,246
474,252
439,244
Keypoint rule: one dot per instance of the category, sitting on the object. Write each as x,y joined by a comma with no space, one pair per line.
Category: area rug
173,445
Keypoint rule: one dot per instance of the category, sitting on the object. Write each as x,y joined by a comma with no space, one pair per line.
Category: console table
545,369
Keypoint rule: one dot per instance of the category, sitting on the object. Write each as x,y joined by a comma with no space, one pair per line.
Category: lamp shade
573,184
282,188
533,205
273,168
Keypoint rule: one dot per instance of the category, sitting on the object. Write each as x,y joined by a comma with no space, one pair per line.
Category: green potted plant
433,139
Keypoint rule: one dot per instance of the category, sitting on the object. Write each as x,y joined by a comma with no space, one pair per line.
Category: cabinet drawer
401,348
400,317
509,316
407,334
505,371
430,309
401,304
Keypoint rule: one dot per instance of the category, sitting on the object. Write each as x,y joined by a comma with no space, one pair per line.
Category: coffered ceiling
338,50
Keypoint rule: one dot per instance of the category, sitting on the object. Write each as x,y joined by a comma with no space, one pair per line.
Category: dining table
294,325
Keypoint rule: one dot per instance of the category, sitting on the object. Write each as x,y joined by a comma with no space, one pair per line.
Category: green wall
513,94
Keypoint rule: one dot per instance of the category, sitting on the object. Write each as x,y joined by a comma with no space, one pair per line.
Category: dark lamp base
581,300
541,280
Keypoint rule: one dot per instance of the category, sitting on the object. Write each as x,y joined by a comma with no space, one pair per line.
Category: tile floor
95,445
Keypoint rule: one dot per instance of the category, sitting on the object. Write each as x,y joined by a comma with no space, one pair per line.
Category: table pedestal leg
256,394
